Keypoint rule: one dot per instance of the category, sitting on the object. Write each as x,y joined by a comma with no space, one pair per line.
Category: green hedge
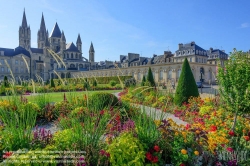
100,80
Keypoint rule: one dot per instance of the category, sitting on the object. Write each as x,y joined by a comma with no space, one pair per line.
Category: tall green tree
234,83
52,84
143,81
150,77
186,85
6,82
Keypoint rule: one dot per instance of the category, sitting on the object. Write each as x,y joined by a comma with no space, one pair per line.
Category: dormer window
183,52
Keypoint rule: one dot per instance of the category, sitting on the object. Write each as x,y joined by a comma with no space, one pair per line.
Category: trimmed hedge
100,80
100,100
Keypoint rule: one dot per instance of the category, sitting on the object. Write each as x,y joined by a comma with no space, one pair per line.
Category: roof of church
56,32
63,37
91,49
16,51
24,21
79,39
37,50
42,25
71,47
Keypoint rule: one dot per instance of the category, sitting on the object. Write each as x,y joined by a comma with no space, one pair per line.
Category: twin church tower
56,41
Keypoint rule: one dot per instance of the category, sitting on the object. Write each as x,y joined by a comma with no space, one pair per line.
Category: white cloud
245,25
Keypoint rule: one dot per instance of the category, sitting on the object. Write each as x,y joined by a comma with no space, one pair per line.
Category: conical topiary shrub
186,85
52,84
150,77
143,81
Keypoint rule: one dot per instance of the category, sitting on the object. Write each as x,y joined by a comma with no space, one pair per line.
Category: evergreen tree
94,83
143,81
186,85
6,82
52,84
150,77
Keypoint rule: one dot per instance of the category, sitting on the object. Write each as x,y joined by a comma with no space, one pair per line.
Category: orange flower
183,151
196,153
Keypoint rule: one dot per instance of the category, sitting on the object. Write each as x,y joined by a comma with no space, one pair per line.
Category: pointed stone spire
24,21
63,37
79,39
56,32
91,49
42,25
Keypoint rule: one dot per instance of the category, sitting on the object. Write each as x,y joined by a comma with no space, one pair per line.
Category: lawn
58,96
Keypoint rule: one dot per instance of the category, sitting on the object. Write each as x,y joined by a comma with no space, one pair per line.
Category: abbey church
26,62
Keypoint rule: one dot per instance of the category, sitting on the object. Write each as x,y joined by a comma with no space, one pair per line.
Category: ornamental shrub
126,150
94,83
129,82
6,82
112,83
150,77
143,81
52,84
100,100
186,85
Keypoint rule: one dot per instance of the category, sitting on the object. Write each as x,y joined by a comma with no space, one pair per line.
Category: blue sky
147,27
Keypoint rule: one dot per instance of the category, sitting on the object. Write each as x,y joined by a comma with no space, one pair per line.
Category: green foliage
126,150
112,83
86,84
100,100
150,77
6,82
94,83
234,83
143,81
186,85
130,82
52,84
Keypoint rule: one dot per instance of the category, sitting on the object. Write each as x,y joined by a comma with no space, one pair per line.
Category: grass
58,96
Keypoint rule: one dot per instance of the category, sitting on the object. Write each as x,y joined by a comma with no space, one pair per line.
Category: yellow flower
183,151
196,153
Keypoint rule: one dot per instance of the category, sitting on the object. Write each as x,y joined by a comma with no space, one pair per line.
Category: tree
52,84
150,78
234,83
143,81
186,85
94,83
6,82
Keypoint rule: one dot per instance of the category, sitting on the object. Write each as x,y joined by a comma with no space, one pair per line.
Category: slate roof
79,39
72,47
56,32
91,49
16,51
190,47
37,50
24,21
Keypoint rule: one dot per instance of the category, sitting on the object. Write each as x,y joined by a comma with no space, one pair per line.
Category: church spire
42,25
79,39
91,49
24,21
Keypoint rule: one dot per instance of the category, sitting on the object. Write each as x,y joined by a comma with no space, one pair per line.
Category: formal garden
96,126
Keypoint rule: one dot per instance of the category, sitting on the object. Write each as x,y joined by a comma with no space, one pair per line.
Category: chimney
180,45
192,43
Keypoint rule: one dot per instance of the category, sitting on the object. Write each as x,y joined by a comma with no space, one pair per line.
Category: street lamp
202,72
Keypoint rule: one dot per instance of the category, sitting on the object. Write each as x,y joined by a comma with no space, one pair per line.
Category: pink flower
230,149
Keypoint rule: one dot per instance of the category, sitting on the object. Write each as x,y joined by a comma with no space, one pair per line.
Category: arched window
161,75
81,66
72,65
72,55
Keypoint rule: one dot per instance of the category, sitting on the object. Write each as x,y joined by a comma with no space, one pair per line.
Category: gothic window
16,62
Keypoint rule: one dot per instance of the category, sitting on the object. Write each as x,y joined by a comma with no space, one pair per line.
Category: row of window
16,62
71,56
187,52
16,70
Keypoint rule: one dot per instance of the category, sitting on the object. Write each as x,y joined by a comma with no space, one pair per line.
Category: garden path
158,114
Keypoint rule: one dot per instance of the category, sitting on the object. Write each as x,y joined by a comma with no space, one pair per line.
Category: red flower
213,128
7,154
230,149
182,164
102,112
187,126
155,159
117,118
231,133
149,156
246,138
156,148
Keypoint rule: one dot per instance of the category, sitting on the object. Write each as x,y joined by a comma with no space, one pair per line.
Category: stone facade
55,57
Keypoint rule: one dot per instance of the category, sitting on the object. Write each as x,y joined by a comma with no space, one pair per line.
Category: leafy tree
143,81
186,85
112,83
234,83
52,84
150,77
6,82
